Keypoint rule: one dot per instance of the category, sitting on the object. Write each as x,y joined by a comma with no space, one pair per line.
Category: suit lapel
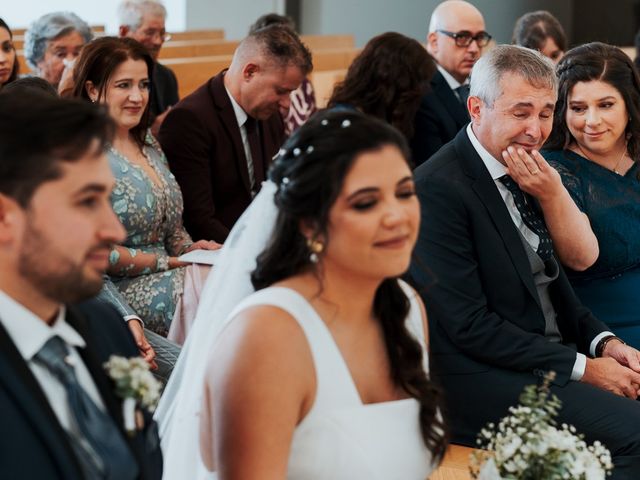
449,99
230,124
28,396
487,192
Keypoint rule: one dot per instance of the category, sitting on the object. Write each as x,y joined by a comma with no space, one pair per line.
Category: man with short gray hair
144,21
220,139
502,312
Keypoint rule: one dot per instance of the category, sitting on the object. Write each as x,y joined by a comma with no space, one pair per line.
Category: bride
322,372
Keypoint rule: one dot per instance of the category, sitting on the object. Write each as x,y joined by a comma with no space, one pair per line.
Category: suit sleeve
427,136
188,148
456,302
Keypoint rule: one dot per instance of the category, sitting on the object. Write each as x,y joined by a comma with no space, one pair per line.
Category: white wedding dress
341,438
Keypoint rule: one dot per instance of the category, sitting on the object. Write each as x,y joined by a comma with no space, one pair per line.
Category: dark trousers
473,400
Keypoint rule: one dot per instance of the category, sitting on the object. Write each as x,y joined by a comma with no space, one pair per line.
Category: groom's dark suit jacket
483,308
203,144
33,445
439,118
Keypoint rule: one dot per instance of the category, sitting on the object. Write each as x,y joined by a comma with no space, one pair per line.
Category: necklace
615,167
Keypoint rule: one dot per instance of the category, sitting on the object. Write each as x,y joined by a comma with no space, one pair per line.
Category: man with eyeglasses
456,38
144,21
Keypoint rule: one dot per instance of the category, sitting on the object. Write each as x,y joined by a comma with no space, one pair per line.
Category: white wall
20,13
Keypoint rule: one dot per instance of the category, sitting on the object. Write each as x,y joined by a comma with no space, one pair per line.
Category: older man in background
144,21
456,38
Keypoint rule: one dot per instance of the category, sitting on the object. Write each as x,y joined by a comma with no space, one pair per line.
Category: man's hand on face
532,173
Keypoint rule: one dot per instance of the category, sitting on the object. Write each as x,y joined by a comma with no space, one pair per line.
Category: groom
60,415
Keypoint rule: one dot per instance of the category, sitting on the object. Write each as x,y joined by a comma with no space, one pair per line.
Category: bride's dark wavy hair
310,171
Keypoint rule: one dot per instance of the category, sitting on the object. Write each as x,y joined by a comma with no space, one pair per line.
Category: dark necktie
463,93
104,454
530,217
253,136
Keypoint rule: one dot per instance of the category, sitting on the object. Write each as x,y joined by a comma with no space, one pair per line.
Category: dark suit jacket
202,142
440,117
164,91
32,442
483,308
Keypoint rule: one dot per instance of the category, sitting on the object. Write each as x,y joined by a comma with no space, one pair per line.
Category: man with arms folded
501,310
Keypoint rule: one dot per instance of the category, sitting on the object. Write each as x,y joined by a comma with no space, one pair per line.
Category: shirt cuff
595,341
579,367
127,318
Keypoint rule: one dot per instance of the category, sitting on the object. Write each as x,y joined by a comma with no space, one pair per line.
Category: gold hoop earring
315,248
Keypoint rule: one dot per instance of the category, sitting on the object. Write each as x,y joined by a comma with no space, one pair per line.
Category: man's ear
432,43
123,30
475,106
249,71
10,217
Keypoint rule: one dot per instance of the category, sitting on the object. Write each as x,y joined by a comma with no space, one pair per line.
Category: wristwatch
603,343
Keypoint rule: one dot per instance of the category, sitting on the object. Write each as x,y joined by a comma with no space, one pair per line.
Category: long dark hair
16,63
309,172
597,61
387,80
97,62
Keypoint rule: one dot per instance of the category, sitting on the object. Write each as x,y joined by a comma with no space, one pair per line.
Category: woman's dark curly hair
97,62
387,80
605,63
16,63
310,171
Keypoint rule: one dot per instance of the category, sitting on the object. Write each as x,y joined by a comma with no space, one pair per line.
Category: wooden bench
217,34
323,83
208,47
194,71
19,32
455,465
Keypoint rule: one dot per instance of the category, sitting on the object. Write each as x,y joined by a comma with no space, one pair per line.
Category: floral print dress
152,215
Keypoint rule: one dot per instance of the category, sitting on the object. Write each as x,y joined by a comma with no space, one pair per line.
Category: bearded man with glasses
456,38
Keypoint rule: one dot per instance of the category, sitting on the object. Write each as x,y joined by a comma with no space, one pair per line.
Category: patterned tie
530,217
102,452
463,93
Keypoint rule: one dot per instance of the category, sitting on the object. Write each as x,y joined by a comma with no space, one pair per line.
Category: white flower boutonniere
136,385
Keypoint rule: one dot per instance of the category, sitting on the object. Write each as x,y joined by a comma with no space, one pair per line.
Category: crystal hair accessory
345,123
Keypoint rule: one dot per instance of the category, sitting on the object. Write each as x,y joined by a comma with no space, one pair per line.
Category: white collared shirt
29,333
241,117
497,170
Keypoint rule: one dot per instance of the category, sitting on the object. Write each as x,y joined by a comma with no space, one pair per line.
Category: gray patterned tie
463,93
104,453
530,217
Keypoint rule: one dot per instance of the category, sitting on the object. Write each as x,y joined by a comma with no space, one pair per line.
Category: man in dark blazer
220,139
501,311
56,228
455,41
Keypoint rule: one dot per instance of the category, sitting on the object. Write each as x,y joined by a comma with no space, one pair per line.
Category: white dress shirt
497,170
241,117
29,333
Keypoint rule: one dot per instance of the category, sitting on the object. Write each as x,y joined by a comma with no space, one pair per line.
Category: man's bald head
454,16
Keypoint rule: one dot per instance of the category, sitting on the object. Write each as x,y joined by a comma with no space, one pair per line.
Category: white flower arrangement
136,385
528,444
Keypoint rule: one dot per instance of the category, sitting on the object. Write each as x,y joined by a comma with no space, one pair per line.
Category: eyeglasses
164,36
464,38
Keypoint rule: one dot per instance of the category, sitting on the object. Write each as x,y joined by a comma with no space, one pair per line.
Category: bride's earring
315,248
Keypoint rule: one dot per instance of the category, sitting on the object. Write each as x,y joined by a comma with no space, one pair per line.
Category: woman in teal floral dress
146,196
